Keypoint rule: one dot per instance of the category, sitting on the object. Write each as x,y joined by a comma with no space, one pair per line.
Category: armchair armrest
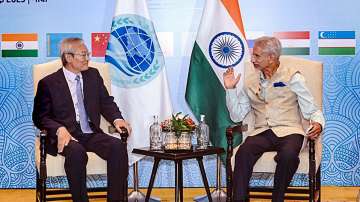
123,134
230,132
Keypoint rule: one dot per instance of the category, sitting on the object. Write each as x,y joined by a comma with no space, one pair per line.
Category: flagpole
136,195
217,194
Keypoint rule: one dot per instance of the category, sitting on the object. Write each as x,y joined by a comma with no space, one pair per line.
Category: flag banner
185,43
294,43
220,43
251,36
137,69
53,42
336,42
166,40
99,42
19,45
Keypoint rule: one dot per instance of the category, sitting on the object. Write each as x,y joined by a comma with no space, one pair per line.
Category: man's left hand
315,130
122,123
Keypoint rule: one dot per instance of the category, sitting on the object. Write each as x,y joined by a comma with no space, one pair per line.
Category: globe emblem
133,51
138,47
226,49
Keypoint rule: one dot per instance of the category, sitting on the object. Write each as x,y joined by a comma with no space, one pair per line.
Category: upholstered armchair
51,166
310,155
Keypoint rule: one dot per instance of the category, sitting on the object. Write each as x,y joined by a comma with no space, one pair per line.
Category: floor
329,194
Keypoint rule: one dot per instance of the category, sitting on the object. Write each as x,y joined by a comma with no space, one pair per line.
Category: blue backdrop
340,165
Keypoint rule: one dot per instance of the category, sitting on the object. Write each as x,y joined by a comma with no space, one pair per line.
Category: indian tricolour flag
294,42
336,43
220,43
19,45
138,75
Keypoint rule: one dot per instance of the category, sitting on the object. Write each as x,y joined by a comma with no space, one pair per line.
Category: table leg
177,181
181,180
203,174
152,178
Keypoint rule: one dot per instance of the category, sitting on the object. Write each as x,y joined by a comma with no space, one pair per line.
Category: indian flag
294,43
19,45
220,43
336,43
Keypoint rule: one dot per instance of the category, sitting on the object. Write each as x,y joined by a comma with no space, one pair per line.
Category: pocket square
279,84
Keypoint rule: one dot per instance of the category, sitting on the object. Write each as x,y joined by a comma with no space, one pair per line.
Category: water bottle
155,135
202,133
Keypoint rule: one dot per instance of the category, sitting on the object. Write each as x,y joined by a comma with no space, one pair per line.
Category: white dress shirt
238,102
70,79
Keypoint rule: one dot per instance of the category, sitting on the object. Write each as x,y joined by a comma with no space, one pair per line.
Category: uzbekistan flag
336,43
220,43
294,43
19,45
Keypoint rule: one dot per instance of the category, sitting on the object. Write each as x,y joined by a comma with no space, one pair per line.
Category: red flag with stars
99,43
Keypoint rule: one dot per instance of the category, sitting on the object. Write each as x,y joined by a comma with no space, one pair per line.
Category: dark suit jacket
53,105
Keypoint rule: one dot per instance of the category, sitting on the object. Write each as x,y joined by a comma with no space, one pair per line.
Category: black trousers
108,148
250,151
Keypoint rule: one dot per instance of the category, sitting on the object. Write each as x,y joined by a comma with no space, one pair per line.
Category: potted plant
177,132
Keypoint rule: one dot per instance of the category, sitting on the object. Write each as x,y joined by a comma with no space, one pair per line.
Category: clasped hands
64,136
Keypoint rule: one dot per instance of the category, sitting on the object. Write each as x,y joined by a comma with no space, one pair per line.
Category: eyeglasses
82,55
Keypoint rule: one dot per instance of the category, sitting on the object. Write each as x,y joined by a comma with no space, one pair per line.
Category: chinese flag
99,43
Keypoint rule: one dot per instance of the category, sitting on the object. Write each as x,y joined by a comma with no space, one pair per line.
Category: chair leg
229,174
42,170
37,187
124,139
318,186
40,188
126,190
43,190
312,170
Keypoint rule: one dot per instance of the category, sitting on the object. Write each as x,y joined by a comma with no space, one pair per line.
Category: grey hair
67,47
269,45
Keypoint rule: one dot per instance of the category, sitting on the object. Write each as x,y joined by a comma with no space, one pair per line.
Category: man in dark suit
68,105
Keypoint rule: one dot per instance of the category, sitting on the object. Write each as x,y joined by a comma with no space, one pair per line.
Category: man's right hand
230,81
64,138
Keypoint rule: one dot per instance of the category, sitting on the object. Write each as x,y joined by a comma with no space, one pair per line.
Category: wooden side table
178,157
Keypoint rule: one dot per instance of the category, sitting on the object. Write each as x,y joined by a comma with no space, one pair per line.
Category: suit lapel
65,90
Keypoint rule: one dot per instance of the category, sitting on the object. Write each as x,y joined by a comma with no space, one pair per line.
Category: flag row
328,43
293,43
26,44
